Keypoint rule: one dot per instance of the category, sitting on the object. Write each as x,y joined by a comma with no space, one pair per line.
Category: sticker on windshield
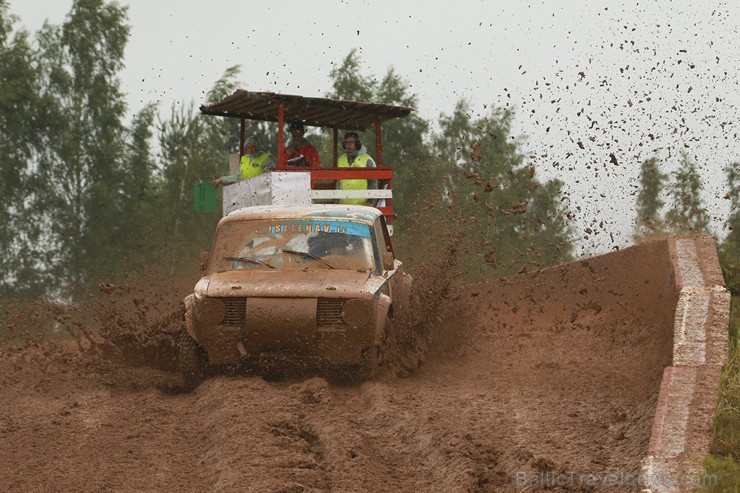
307,226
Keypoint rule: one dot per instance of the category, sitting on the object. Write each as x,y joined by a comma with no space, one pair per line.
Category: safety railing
324,186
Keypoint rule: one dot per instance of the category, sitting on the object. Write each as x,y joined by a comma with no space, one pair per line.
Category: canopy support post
378,144
336,151
242,128
281,138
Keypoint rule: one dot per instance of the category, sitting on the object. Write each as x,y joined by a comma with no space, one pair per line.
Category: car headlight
357,313
209,311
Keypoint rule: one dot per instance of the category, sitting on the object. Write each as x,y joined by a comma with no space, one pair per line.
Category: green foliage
97,200
21,124
138,192
724,463
185,144
417,175
348,83
649,221
103,202
86,196
733,221
193,148
729,256
687,214
223,133
402,138
82,162
729,249
722,476
726,440
511,221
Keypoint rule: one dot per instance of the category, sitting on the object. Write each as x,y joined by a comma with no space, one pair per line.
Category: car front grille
329,311
236,311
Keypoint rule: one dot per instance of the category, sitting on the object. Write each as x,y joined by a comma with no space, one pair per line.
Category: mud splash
540,382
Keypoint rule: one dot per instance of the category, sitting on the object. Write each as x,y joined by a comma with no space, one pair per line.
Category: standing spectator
355,156
253,163
300,152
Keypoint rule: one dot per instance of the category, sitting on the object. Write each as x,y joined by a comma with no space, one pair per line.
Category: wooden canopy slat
319,112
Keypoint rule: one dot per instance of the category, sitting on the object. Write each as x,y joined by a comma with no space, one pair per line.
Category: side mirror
203,262
388,261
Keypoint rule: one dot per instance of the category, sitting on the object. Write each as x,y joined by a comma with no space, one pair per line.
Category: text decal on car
308,226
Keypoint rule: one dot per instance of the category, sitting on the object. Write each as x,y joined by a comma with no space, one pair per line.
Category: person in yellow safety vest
253,163
355,156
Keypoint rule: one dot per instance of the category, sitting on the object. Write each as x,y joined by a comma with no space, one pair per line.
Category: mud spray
543,381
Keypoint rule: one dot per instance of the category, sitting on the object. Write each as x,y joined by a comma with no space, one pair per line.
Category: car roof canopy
318,112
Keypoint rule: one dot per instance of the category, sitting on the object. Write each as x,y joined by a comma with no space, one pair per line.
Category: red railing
327,178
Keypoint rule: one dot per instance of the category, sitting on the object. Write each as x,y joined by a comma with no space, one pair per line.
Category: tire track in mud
317,437
519,381
115,431
401,440
379,436
69,427
502,402
255,440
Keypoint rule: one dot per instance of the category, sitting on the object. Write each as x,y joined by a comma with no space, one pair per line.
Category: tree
138,192
81,163
509,219
733,220
729,249
416,173
472,167
649,221
687,213
347,81
21,110
193,148
548,226
350,84
418,176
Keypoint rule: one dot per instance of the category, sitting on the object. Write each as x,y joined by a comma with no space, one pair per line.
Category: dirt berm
547,381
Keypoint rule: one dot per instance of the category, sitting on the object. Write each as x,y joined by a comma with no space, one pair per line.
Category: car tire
371,361
404,350
191,361
356,373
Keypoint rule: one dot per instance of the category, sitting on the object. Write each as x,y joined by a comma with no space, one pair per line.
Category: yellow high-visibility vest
359,162
250,167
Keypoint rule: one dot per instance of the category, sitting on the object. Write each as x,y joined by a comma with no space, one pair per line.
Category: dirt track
546,381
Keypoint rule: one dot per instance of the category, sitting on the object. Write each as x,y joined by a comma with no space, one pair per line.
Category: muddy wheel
191,361
371,361
404,350
356,373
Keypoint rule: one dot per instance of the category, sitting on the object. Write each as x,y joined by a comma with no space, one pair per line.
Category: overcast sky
587,79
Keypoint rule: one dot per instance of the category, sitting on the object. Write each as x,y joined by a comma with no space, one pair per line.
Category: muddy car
317,282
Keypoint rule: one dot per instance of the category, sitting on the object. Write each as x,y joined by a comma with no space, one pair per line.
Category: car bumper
292,327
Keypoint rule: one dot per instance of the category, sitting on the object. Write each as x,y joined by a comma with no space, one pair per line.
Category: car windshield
293,244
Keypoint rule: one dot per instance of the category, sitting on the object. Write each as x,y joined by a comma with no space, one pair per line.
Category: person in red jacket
300,152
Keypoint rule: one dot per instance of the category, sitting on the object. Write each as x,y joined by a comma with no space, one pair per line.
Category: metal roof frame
316,112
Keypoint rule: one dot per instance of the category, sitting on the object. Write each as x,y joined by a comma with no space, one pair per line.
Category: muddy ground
543,382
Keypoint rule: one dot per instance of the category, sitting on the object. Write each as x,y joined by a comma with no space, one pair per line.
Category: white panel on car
273,188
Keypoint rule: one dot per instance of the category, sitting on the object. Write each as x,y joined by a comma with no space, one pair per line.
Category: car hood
286,283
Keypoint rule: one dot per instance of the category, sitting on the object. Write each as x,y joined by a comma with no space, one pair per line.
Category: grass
724,463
